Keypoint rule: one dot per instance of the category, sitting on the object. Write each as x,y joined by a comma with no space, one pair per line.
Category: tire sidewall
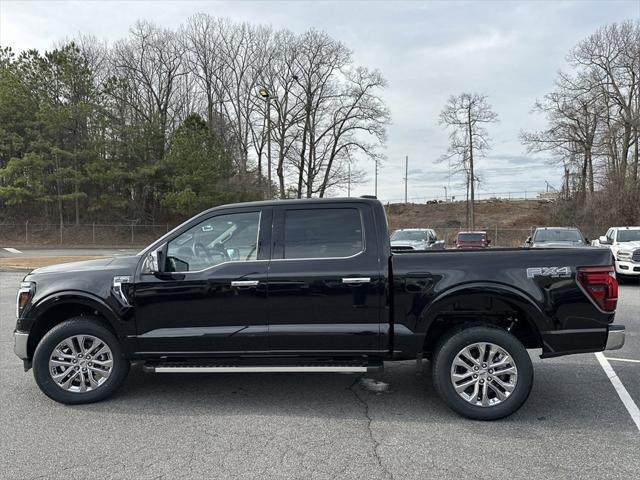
454,344
68,328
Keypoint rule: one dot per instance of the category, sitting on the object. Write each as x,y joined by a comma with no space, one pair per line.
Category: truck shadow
565,395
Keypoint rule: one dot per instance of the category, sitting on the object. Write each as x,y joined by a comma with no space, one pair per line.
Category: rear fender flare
534,315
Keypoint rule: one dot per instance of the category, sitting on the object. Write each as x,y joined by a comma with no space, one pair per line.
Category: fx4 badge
554,272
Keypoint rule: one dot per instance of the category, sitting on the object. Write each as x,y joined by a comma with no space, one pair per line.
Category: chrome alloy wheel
81,363
484,374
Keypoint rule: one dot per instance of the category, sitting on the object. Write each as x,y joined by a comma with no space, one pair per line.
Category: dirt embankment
515,214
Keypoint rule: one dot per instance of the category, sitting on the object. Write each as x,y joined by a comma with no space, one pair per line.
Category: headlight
623,256
25,293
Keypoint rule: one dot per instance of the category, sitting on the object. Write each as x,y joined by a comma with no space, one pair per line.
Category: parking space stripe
628,402
12,250
630,360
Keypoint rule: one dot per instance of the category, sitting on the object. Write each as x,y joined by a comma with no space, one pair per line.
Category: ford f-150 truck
312,286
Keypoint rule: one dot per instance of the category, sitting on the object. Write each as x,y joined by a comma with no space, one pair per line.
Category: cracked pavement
318,426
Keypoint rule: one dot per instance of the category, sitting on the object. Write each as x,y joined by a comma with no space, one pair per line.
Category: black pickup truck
312,286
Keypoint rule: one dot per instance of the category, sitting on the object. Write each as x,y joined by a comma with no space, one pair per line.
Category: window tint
628,236
224,238
322,233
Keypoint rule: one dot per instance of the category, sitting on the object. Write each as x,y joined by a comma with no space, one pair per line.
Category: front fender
113,312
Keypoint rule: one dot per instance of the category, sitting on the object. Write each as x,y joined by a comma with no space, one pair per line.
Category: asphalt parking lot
321,426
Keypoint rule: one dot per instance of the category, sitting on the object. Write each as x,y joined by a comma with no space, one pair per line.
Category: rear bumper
615,337
569,342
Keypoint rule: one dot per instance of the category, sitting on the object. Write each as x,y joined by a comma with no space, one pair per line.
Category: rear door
324,288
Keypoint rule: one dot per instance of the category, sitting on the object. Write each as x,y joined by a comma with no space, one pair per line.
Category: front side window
223,238
322,233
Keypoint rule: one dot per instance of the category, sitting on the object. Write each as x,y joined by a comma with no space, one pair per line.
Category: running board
254,369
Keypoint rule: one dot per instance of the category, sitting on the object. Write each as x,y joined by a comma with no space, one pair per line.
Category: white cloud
427,50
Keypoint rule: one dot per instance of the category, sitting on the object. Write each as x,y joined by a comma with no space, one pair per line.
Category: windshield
471,237
412,236
628,236
557,236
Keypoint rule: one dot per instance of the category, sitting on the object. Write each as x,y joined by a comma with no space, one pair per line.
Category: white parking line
630,360
12,250
628,402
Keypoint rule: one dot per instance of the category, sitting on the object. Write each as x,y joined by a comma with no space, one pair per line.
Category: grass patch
29,263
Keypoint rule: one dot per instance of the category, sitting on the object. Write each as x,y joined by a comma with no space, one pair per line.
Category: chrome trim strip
356,280
20,344
245,283
615,338
258,369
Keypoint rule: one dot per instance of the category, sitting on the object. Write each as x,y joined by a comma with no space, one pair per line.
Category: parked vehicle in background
625,246
556,237
478,239
407,239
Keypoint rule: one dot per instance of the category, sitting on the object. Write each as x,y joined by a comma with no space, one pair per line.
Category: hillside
508,222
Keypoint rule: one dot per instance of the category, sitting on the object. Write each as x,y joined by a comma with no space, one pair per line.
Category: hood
629,245
559,245
407,243
89,265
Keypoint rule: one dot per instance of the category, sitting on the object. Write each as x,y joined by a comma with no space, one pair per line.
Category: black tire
453,343
78,326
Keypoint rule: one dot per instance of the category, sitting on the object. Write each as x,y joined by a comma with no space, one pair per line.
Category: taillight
601,286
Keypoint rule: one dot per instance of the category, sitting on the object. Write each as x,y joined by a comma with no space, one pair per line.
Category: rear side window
322,233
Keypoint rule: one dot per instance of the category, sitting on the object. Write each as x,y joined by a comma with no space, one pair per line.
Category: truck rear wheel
482,372
79,361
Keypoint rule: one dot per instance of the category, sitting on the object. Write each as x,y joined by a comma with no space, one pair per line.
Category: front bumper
627,268
615,337
20,340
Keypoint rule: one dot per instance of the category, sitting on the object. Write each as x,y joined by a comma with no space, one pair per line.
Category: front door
212,298
325,288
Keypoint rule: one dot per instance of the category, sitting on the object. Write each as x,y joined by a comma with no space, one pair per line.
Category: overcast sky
427,50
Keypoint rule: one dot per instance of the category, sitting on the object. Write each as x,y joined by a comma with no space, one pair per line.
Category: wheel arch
60,306
483,303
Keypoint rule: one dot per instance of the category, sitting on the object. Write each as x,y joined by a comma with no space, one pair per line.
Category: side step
209,367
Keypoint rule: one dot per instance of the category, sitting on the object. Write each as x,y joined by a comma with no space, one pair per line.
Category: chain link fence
499,236
99,235
120,235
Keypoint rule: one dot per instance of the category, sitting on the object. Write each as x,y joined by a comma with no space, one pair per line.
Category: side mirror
528,240
155,261
604,241
488,242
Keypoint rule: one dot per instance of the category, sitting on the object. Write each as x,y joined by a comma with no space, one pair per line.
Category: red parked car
472,240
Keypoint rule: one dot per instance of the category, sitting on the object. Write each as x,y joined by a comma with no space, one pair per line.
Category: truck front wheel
482,372
79,361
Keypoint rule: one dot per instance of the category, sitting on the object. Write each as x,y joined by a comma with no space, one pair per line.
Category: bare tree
465,116
573,111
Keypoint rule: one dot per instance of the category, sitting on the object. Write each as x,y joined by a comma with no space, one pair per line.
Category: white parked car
408,239
625,245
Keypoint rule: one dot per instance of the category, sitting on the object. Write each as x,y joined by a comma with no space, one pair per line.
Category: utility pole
264,93
406,176
269,147
349,181
375,184
445,194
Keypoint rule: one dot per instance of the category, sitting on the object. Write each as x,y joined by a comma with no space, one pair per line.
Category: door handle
245,283
356,280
